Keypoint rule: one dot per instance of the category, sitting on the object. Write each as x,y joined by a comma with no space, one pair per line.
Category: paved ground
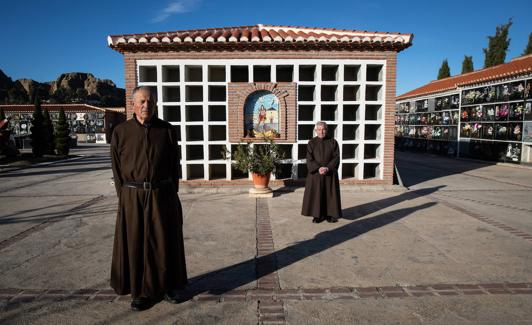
455,248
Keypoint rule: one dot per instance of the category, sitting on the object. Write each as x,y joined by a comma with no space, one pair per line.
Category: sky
42,39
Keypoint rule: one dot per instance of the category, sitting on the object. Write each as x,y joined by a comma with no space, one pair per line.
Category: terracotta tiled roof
516,67
52,107
260,36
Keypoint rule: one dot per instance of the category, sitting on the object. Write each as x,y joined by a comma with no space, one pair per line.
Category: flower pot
260,181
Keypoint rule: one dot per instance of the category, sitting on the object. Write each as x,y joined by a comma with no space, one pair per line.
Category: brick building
484,114
223,86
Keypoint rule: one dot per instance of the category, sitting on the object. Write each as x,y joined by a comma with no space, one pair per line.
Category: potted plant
260,160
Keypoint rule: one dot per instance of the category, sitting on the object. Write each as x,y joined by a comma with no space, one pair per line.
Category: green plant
258,158
38,142
62,134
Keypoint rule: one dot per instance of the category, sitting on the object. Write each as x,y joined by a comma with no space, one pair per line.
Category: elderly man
322,188
148,254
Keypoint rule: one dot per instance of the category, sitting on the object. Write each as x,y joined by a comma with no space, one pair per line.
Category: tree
62,134
498,44
38,142
2,114
467,64
48,133
445,71
528,49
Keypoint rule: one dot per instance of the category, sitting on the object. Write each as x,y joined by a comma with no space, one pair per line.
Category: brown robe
322,192
148,252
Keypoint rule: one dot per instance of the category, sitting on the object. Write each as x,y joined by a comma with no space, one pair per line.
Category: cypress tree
2,114
498,44
528,49
62,134
38,143
467,64
445,71
48,132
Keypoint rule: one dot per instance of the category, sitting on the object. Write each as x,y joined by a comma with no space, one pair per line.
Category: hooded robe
322,192
148,252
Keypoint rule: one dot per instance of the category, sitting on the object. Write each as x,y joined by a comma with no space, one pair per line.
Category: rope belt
147,185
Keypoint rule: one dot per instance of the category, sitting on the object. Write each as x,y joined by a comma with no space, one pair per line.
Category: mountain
73,87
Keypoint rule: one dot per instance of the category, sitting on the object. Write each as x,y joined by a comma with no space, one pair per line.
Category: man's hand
323,170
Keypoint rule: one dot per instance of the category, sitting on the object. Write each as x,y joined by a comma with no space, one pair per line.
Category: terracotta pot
260,181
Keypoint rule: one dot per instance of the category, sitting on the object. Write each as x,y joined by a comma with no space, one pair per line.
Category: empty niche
237,173
194,152
171,94
305,132
302,171
307,72
217,171
283,171
306,112
351,92
285,73
305,93
239,73
194,93
216,151
331,130
374,72
216,113
217,132
147,74
349,170
217,93
328,112
371,151
195,133
194,113
349,151
329,73
371,170
261,73
216,73
172,113
373,112
351,73
171,73
328,93
351,113
372,132
301,151
286,150
373,92
195,171
193,73
350,132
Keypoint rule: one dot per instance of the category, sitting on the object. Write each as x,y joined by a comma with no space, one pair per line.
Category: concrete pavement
455,248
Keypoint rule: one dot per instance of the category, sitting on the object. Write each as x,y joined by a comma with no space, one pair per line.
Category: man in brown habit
148,253
322,188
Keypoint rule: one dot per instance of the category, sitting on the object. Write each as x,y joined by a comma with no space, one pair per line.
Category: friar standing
148,253
322,188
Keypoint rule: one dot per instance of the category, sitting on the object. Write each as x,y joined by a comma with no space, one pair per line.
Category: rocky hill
74,87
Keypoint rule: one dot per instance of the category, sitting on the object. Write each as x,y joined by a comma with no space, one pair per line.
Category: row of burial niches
262,73
348,151
79,122
283,171
450,102
498,112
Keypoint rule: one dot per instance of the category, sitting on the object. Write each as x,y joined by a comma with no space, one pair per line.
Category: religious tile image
262,115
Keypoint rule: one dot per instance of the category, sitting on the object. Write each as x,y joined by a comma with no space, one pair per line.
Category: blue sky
42,39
